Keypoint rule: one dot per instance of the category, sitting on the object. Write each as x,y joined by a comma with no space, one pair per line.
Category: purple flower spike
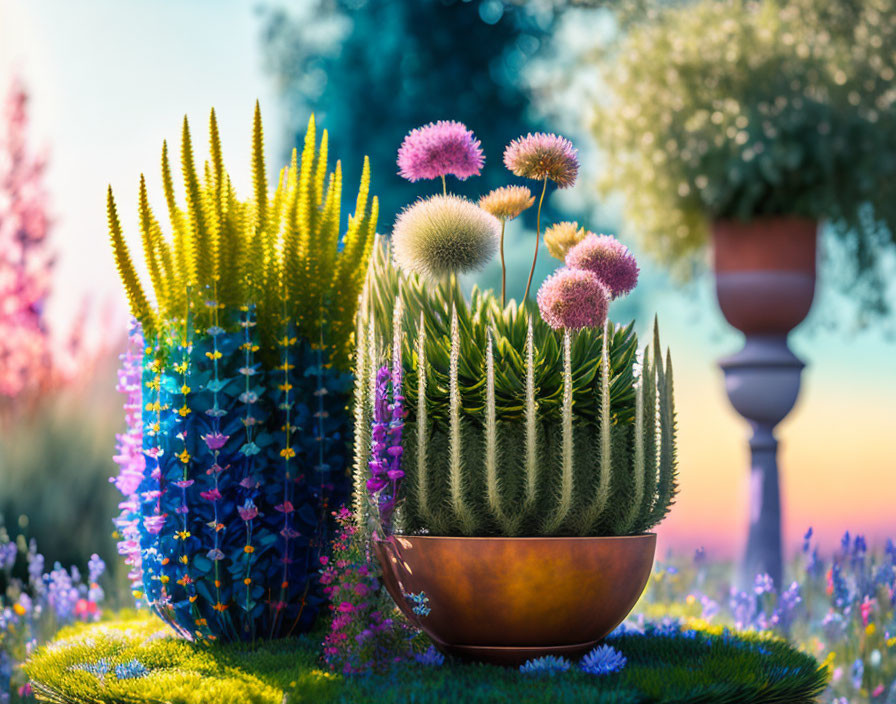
608,259
385,457
131,458
573,299
443,148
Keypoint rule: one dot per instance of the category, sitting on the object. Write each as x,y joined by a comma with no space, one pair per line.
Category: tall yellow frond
319,177
232,283
197,242
149,230
175,214
214,139
327,235
356,234
305,191
259,176
136,297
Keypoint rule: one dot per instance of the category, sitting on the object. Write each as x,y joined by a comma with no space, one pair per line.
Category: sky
110,79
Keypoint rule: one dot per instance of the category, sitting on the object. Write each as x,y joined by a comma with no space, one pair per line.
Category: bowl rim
640,537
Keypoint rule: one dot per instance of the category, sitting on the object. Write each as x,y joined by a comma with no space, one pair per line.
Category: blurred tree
25,261
55,458
372,70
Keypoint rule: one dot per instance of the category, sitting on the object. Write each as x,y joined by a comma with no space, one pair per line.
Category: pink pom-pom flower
542,156
573,299
608,259
439,149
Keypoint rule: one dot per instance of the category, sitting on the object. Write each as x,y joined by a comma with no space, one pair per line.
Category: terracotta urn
506,600
765,272
765,283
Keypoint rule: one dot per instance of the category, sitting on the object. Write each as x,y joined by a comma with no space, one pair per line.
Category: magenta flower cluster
598,269
385,452
608,259
439,149
363,635
572,299
25,260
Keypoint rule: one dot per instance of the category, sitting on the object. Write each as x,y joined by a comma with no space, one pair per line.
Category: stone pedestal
765,283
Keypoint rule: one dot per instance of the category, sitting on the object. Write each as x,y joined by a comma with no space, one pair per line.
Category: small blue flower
857,672
667,628
421,603
98,669
547,665
603,660
431,658
130,670
624,630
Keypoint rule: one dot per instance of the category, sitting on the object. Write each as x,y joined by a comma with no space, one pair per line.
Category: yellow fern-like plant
282,251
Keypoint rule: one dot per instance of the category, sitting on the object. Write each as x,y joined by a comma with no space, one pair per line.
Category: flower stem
537,239
503,267
444,186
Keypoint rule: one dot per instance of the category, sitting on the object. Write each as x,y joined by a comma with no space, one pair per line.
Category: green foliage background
750,108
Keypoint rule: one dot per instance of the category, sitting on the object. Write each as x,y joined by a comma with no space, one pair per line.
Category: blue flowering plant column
238,385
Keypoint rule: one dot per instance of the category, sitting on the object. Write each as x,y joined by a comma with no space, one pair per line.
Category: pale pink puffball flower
543,156
572,299
608,259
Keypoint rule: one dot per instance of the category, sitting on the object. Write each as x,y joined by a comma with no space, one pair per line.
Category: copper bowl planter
506,600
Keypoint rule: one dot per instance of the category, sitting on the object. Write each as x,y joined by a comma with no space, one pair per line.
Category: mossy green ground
706,668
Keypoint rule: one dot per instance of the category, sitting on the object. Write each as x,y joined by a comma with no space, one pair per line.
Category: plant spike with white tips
455,444
492,481
422,424
564,499
531,421
638,462
362,423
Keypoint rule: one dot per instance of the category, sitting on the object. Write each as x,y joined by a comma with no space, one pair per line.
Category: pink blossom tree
26,262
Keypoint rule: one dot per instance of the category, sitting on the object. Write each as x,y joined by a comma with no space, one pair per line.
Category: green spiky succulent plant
514,428
238,423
